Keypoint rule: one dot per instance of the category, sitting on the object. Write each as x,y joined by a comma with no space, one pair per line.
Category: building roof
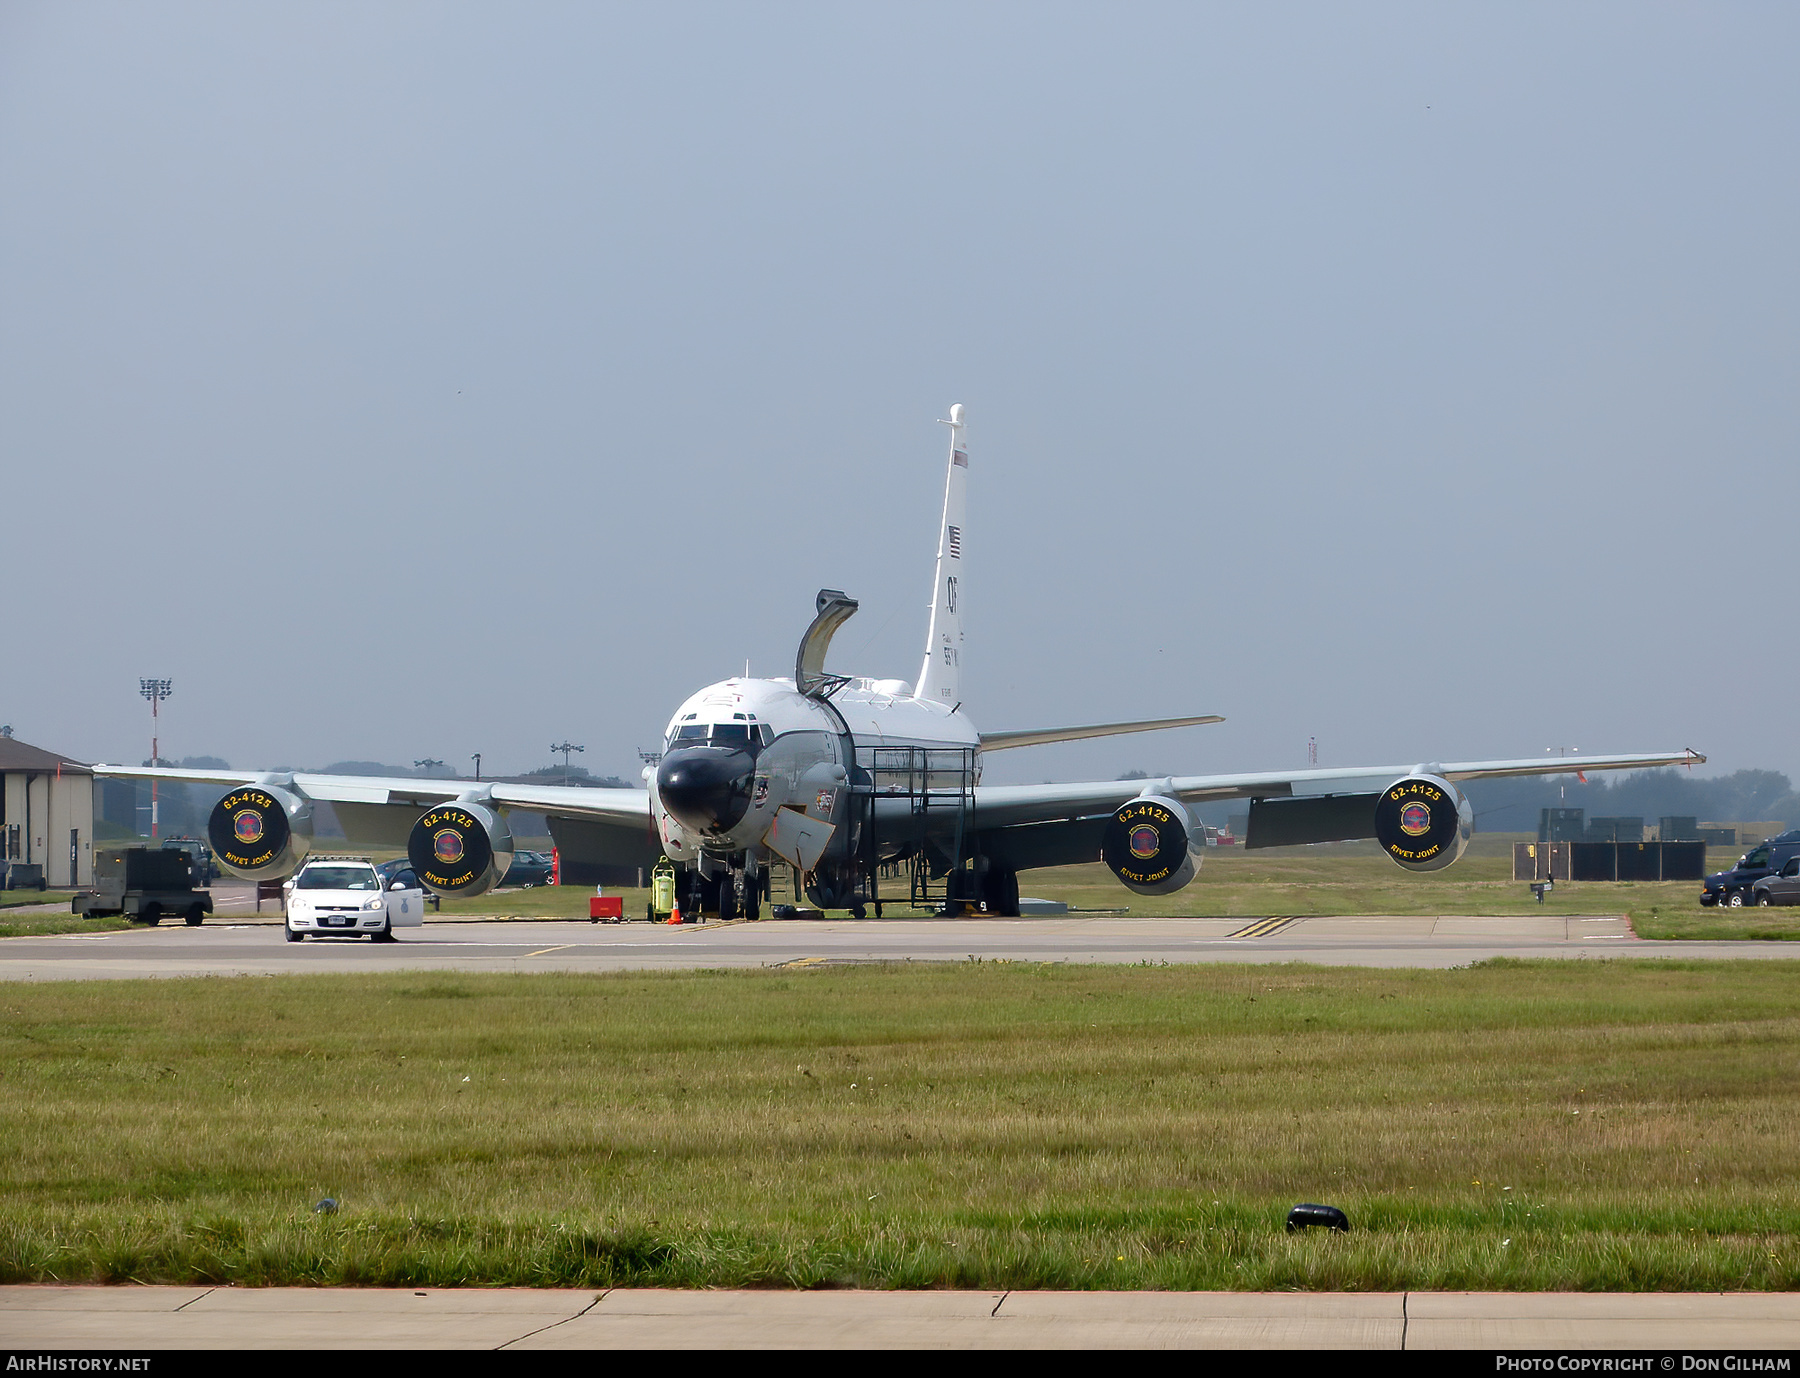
17,755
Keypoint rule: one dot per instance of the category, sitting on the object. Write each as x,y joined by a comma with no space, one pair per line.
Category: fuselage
739,750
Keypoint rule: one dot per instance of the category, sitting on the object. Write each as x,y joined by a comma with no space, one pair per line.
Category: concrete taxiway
151,1318
243,945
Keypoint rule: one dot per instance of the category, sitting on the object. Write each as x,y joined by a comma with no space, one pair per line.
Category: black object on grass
329,1207
1306,1214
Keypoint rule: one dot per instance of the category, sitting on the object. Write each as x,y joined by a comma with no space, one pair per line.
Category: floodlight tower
1562,781
156,690
566,747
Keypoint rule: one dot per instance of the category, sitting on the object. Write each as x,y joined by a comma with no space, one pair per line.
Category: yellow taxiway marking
542,950
1262,928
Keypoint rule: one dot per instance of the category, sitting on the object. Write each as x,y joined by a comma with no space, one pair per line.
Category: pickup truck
200,858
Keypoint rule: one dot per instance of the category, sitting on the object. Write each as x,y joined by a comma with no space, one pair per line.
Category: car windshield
338,878
1760,857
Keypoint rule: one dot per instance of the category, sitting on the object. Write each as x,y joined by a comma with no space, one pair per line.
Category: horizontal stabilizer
1000,741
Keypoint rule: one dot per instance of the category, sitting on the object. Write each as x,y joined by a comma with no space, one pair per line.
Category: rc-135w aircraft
841,777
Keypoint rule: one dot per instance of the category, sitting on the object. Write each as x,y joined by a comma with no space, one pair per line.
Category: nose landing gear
734,891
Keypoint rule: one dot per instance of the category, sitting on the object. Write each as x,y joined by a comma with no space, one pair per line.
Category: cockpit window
733,735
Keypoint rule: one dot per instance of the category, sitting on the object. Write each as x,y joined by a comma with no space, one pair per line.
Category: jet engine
1149,844
260,832
460,849
1423,822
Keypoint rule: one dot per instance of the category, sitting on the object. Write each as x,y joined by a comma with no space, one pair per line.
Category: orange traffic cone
675,913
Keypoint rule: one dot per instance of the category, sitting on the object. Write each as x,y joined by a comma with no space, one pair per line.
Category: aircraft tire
1000,893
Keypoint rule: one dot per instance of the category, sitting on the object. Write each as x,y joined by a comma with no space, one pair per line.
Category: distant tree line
1511,806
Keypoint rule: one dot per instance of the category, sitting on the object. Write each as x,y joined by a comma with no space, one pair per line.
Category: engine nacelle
260,832
1149,844
460,849
1423,822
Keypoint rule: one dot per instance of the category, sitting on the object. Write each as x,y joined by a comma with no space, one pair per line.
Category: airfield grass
14,899
41,925
1561,1125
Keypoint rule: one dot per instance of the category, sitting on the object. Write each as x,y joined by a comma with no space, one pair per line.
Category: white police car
348,895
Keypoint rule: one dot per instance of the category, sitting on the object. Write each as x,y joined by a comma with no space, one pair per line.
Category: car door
1785,888
405,900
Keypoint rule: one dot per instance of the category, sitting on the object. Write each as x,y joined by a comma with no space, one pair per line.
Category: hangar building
46,813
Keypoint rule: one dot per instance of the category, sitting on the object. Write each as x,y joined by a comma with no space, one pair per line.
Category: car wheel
293,935
150,914
1736,900
386,935
195,916
1763,901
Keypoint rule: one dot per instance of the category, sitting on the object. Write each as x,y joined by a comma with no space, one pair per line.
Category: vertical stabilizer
940,678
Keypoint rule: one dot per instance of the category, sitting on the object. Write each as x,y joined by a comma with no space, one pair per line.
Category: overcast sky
409,380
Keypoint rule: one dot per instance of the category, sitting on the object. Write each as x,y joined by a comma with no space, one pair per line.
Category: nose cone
706,788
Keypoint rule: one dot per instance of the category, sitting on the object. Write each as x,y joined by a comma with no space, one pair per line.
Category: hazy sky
411,380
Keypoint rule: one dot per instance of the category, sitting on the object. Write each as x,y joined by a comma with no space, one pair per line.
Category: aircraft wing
1001,806
623,806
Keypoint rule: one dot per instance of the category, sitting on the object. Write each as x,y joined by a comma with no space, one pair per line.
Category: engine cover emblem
1415,819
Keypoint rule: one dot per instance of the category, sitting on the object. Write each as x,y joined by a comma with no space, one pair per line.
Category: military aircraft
854,783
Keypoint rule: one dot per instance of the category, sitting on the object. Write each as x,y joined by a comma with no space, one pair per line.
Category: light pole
1562,788
156,690
566,747
476,758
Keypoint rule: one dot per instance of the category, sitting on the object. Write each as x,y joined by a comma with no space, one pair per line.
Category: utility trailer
145,884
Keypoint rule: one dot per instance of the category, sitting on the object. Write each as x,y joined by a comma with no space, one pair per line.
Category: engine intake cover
460,849
1148,845
257,832
1423,822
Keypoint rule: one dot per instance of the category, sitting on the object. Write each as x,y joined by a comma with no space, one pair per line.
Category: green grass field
40,925
1564,1125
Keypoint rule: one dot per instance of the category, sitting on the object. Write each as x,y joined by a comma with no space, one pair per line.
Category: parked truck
145,884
